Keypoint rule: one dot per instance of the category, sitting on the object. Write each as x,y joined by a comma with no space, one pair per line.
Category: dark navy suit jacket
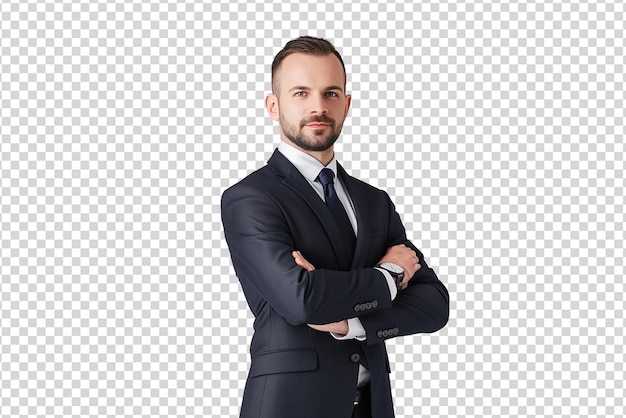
296,371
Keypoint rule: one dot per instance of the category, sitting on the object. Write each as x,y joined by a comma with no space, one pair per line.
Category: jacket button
368,305
354,357
396,331
379,334
375,304
357,308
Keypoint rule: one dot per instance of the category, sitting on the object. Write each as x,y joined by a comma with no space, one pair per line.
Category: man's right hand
405,257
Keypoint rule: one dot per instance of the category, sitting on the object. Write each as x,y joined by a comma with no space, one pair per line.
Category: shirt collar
308,166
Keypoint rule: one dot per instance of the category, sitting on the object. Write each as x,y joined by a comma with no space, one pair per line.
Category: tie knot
326,176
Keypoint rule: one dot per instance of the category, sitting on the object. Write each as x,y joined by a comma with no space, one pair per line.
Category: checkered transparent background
498,129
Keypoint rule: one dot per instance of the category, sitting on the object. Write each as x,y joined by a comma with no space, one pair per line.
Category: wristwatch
397,273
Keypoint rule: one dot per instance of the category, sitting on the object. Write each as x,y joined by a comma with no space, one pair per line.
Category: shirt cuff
355,331
393,287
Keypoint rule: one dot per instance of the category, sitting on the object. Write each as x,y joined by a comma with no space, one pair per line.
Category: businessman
322,258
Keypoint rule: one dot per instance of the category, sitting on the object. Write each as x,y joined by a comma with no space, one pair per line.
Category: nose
319,104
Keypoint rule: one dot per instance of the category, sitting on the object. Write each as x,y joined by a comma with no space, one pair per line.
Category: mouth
317,125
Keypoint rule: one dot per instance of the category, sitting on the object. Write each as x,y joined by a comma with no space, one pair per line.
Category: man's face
310,103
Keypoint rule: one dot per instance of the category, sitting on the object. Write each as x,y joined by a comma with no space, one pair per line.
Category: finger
297,255
321,328
302,262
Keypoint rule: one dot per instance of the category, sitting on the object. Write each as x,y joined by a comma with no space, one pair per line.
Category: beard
317,141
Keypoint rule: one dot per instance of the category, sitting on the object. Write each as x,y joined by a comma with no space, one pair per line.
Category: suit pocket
284,361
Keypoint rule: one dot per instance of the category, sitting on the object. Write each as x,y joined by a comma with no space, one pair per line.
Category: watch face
392,267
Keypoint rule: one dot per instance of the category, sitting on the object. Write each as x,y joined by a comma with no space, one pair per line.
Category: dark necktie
326,177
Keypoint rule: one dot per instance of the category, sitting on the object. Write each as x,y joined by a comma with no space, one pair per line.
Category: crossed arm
302,294
400,255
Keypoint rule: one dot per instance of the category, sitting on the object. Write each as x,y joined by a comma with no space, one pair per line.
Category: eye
300,93
332,94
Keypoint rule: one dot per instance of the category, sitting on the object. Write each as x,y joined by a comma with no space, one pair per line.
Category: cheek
340,109
291,118
295,114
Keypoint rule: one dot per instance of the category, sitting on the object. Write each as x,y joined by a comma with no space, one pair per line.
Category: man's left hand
338,328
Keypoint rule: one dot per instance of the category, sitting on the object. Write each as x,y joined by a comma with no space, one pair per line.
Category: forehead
310,70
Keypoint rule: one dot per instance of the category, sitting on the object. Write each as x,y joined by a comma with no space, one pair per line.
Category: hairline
306,45
275,83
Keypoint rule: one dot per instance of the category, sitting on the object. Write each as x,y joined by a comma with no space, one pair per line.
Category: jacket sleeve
423,306
260,245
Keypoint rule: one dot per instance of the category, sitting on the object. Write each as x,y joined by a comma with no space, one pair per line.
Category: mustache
320,118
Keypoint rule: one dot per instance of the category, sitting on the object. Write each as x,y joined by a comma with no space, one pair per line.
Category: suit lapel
293,179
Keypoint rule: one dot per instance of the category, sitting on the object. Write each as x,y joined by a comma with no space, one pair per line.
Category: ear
271,104
348,102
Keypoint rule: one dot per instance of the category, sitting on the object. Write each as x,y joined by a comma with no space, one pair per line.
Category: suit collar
307,165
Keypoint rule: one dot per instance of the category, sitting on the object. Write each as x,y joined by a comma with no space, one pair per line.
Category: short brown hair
305,45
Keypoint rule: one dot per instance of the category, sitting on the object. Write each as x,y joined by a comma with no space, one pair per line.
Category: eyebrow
309,88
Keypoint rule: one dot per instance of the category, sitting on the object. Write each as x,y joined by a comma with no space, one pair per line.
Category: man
322,258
